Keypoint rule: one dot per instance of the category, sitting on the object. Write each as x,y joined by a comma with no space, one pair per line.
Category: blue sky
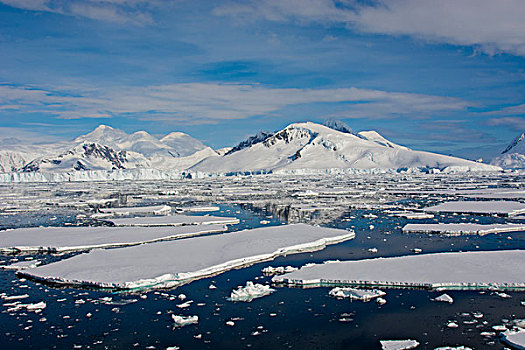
445,76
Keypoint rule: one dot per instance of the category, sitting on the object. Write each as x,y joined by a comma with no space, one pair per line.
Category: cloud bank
198,103
488,25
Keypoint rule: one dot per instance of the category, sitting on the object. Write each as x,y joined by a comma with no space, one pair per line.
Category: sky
444,76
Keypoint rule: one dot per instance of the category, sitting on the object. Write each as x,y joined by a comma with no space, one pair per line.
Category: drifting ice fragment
356,294
181,321
271,271
398,344
250,292
156,210
445,298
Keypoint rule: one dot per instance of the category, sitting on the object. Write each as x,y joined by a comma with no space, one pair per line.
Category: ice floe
505,208
479,270
399,344
462,228
250,291
155,209
65,239
172,263
174,220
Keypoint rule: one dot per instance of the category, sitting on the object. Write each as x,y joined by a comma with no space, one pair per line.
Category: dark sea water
287,319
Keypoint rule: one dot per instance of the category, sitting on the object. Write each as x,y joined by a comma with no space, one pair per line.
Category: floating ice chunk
185,305
480,270
399,344
21,265
181,321
444,298
372,250
417,250
250,292
36,307
174,220
14,297
174,347
356,294
452,325
503,295
156,210
271,271
381,301
414,216
499,328
230,323
212,286
453,348
197,209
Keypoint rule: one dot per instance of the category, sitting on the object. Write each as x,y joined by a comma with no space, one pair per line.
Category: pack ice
172,263
466,270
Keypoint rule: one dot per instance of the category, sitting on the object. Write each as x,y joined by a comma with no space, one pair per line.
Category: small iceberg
356,294
181,321
444,298
250,292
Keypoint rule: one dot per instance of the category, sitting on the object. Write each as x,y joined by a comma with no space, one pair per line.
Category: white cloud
515,123
491,26
118,11
212,102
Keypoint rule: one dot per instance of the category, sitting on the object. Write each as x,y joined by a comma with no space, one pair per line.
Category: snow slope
310,146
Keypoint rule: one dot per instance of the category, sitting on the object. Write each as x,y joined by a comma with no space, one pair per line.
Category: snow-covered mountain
184,144
105,148
88,156
309,147
108,153
513,157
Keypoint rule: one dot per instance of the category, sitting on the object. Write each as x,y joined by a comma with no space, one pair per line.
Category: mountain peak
338,125
517,145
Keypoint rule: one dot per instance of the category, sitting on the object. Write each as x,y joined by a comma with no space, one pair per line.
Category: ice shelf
173,263
67,239
444,271
504,208
174,220
462,228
